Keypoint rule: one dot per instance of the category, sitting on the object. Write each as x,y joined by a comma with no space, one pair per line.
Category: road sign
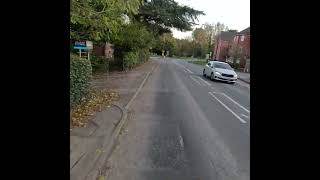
80,44
79,47
83,45
89,44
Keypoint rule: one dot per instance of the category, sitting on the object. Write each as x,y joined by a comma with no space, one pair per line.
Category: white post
80,52
88,55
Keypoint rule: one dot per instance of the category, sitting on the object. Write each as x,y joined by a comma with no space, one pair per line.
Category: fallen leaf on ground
97,100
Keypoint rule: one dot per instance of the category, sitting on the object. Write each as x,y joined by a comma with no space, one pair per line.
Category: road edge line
139,89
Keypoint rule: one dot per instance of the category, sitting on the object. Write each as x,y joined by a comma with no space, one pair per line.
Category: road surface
185,126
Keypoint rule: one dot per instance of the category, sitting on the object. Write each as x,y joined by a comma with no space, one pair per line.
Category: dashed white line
178,64
240,119
181,141
204,81
195,80
188,70
236,102
183,67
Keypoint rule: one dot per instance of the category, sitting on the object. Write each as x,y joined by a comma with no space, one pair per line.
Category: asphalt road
184,126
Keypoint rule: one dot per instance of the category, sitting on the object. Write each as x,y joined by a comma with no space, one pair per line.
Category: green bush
134,58
131,59
99,64
80,74
144,55
235,65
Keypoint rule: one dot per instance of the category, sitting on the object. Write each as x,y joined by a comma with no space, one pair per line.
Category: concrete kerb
100,167
89,157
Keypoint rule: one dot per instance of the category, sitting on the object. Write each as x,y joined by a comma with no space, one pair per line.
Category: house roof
227,36
245,31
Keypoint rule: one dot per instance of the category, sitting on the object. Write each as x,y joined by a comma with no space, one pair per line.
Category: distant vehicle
217,70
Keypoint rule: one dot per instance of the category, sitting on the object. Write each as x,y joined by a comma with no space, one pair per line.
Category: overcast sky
233,13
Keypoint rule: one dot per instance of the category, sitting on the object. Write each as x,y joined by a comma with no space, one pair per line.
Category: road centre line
225,106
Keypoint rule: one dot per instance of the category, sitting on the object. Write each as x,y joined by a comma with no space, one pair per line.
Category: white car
222,71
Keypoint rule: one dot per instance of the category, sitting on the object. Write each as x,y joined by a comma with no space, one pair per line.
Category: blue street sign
80,47
80,43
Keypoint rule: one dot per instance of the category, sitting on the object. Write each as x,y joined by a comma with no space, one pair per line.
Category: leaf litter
96,100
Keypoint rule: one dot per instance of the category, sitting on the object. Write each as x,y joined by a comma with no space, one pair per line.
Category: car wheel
204,73
211,77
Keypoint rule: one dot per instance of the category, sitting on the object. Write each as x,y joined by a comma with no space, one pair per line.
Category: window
242,38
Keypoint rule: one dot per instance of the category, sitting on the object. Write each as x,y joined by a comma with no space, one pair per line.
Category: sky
233,13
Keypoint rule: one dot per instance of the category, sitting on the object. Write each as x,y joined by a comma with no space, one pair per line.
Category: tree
219,27
183,48
99,19
213,30
132,45
132,37
165,42
236,53
200,42
200,36
161,15
210,30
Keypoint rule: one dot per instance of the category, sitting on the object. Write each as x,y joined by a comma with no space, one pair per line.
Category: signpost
83,45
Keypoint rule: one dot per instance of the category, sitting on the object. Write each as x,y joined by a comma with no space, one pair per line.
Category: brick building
223,44
242,40
105,50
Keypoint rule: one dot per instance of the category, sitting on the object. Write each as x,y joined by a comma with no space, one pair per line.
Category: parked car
217,70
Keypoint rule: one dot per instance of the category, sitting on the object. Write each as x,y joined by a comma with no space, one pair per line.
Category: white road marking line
195,80
204,81
181,141
245,116
183,67
140,87
212,164
236,103
241,120
188,70
178,64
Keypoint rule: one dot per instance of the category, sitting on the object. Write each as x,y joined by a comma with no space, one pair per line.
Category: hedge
99,63
134,58
131,59
80,75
